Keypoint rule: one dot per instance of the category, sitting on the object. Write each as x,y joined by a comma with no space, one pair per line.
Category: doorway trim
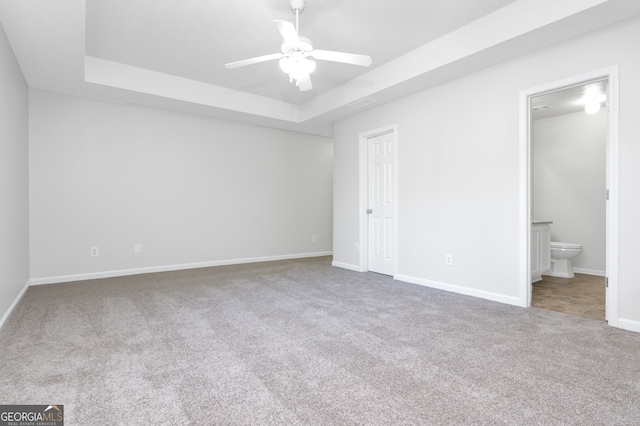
611,74
363,239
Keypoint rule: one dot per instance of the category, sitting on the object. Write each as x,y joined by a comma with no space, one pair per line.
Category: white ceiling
171,53
195,38
570,100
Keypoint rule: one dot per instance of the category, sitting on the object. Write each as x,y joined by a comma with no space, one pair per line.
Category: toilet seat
565,246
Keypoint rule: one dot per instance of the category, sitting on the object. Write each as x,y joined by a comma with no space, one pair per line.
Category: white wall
191,190
14,183
569,183
459,170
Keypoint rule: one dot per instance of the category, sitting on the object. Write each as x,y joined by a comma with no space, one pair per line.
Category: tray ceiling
171,54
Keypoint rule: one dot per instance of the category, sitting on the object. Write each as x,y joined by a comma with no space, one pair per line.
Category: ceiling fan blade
288,31
304,83
252,61
347,58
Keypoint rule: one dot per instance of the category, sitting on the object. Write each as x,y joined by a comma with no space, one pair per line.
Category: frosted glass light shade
297,66
592,107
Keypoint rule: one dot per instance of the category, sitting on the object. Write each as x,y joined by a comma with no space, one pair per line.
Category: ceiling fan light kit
296,51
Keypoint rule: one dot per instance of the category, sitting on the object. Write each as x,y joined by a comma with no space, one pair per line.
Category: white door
381,156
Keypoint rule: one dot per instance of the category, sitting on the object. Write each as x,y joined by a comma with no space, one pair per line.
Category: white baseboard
7,314
629,325
495,297
348,266
590,272
559,274
152,269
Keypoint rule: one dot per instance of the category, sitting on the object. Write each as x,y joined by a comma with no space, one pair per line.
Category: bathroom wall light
592,107
593,96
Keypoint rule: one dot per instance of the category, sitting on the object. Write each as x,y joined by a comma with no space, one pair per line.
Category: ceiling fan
296,51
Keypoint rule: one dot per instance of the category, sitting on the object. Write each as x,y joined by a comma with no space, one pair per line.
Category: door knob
369,211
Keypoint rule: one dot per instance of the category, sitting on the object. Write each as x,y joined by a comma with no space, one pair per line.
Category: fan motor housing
305,46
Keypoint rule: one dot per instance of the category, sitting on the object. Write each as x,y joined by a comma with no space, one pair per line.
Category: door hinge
606,282
607,195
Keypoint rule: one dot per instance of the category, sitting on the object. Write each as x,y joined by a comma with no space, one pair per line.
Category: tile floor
583,295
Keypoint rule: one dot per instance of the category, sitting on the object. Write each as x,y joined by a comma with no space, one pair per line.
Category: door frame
611,74
363,239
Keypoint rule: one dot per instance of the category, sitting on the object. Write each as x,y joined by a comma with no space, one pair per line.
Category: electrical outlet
314,238
137,248
448,259
357,248
94,251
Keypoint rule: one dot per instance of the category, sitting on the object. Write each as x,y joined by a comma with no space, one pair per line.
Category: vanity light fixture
592,107
593,97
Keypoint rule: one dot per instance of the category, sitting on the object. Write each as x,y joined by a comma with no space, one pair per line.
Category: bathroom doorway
568,183
557,182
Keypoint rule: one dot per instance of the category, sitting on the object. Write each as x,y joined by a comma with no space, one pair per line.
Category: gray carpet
300,342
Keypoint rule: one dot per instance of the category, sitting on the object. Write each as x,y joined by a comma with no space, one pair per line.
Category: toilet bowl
561,255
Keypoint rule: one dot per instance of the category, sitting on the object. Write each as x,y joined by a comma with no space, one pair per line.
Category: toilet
561,255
